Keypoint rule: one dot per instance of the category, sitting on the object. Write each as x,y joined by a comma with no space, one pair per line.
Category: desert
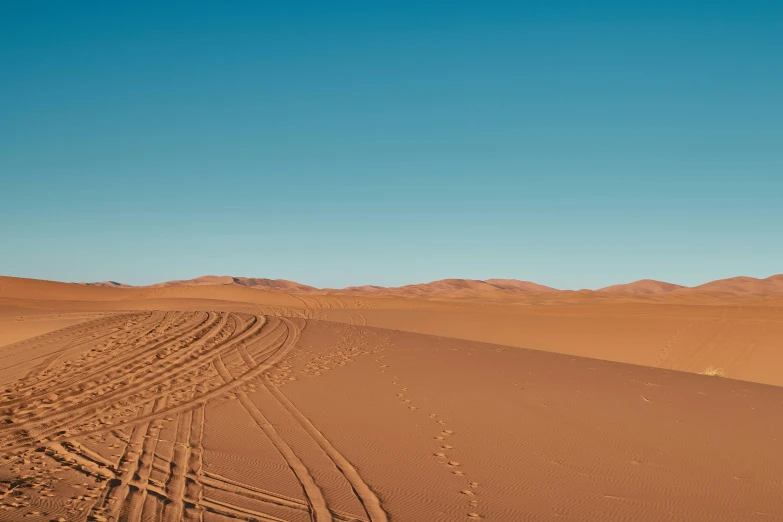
458,400
442,261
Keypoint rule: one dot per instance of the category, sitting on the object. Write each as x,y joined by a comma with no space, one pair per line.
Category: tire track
116,365
315,498
42,367
194,488
64,333
119,488
158,376
289,342
45,366
142,368
217,481
229,510
81,332
367,497
140,481
175,486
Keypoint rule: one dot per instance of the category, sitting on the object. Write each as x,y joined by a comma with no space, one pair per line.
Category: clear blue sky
576,144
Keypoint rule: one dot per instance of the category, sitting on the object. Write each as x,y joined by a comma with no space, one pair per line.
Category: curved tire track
141,368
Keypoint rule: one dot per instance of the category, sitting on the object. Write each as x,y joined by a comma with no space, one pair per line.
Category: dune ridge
734,286
772,285
219,415
643,286
248,399
739,334
248,282
108,284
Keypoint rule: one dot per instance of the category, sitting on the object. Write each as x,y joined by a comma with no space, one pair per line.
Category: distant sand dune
644,286
219,401
736,286
210,415
682,329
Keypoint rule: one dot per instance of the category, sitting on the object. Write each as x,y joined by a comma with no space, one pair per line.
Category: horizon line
118,282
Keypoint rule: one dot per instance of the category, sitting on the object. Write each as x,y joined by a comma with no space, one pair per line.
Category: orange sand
269,400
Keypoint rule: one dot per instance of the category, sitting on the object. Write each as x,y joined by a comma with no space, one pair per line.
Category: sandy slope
743,340
446,428
15,328
500,288
454,287
255,399
644,286
215,416
741,333
248,282
743,285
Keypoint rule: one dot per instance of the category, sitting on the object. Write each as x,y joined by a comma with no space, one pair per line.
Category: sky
574,144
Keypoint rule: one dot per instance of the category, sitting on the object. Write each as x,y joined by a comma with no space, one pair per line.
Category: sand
217,402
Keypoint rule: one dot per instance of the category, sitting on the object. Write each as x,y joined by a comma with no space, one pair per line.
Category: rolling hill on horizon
741,285
643,286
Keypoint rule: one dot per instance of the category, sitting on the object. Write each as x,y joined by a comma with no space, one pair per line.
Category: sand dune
499,288
203,280
108,284
510,434
33,290
452,287
686,332
515,284
744,285
234,399
215,416
249,282
644,286
273,284
467,286
742,340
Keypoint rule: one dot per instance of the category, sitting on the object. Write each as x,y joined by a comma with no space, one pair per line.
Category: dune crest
643,286
454,287
108,284
743,285
464,286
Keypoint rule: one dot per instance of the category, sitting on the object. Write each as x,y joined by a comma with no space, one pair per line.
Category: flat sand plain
221,402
